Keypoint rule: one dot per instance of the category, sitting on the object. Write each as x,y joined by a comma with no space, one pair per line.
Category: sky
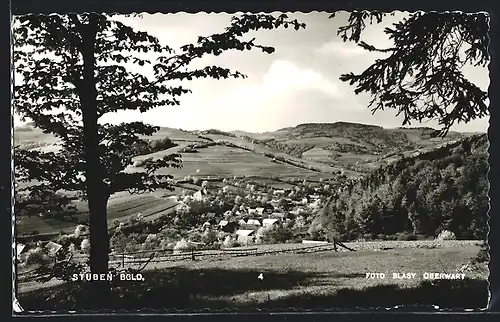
298,83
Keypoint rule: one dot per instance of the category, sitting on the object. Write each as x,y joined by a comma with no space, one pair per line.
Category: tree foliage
76,68
421,75
444,189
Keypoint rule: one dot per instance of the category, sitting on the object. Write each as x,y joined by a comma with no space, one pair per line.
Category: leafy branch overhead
132,71
422,75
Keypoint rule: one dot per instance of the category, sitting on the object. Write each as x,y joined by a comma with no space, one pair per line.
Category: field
245,155
319,278
120,207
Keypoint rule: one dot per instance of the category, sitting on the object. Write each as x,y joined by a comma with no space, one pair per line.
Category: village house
198,195
253,222
53,248
268,222
245,236
260,210
228,226
242,222
19,250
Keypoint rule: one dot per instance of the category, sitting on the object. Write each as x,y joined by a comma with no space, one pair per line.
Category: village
211,214
255,210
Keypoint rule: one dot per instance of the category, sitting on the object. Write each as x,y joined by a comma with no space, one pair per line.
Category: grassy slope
320,279
372,138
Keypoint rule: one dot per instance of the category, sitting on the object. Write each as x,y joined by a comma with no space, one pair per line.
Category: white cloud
266,105
340,48
282,79
284,76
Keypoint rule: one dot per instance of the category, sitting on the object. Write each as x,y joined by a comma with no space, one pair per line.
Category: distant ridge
423,128
331,125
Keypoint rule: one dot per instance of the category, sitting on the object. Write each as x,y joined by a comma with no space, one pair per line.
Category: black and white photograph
239,161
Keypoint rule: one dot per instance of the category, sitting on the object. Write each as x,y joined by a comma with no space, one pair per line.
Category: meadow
314,279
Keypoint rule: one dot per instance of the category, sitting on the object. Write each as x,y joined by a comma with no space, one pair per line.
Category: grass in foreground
304,281
181,288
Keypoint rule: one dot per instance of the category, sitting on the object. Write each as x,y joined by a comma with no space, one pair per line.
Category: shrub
182,246
161,144
152,242
36,256
230,241
276,234
370,236
482,256
195,236
85,245
316,230
209,237
80,230
446,235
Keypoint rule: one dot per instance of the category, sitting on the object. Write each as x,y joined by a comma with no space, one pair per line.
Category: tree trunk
96,188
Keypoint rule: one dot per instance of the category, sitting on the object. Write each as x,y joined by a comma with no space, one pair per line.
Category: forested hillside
444,189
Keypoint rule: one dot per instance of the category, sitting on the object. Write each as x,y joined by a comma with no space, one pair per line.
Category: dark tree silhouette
421,76
72,73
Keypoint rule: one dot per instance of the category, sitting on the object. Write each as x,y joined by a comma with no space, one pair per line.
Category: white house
198,195
245,236
53,248
253,222
241,222
260,210
223,223
19,250
268,222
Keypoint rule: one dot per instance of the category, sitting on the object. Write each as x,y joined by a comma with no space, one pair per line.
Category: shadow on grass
447,294
180,288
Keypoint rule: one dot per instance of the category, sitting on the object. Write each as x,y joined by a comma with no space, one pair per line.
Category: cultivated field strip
148,205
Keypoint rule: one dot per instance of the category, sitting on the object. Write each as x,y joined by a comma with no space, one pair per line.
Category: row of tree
445,189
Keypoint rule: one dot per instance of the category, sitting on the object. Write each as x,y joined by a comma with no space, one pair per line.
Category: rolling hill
445,188
306,151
